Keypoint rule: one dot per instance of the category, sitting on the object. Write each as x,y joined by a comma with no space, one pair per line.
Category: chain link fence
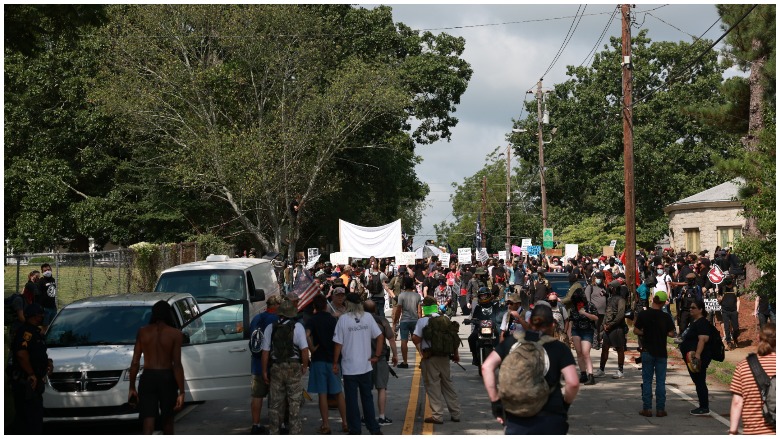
90,274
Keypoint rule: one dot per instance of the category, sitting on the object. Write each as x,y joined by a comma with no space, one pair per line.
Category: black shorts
157,393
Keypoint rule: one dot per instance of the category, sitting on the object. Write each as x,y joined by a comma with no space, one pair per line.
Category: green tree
258,105
751,46
673,151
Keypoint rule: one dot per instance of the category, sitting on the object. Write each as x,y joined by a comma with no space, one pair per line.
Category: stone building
706,220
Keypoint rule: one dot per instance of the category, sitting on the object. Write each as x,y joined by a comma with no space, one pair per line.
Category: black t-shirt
656,324
322,326
729,301
560,357
47,292
691,337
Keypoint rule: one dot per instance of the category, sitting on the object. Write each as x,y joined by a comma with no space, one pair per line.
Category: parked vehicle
220,279
559,282
91,344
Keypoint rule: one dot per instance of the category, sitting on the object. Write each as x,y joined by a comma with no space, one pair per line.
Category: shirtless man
160,344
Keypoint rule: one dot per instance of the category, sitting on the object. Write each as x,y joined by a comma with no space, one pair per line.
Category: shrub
41,260
146,258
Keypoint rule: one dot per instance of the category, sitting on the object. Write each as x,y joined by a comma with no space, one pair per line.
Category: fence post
119,271
91,265
18,268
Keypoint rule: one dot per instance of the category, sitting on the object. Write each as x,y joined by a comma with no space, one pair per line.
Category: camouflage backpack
442,334
283,349
521,384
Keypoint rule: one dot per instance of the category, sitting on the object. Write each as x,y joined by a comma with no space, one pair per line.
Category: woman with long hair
696,355
746,401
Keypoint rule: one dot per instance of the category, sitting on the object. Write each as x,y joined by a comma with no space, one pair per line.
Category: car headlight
127,373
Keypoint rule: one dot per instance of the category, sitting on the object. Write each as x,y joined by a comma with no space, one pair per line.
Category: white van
220,279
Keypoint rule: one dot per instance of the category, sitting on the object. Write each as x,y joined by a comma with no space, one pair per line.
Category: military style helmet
484,295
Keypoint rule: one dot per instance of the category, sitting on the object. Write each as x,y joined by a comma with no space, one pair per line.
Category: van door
215,355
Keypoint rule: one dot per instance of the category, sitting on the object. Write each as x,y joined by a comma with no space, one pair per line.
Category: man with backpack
533,365
259,389
437,340
286,349
614,328
377,285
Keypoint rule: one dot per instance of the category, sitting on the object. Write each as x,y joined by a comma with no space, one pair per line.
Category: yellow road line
414,394
427,428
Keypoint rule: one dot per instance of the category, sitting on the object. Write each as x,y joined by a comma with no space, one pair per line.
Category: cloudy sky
509,48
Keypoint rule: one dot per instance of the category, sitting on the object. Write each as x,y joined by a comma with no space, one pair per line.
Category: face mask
47,273
553,302
659,271
598,281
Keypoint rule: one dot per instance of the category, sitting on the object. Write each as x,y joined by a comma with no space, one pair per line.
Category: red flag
305,288
623,261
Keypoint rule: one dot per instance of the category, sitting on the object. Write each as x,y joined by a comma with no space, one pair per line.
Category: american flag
305,288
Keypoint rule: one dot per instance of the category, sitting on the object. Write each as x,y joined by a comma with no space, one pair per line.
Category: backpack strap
759,374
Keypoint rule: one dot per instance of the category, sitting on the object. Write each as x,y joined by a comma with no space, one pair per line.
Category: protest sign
464,256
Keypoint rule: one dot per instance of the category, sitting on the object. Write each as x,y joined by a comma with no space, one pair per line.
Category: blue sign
534,250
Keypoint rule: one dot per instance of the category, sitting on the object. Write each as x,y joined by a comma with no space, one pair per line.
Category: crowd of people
345,343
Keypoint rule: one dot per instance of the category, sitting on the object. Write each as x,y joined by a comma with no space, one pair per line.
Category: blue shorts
406,329
584,334
322,379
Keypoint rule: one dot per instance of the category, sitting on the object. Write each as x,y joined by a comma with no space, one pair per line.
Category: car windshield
107,325
208,286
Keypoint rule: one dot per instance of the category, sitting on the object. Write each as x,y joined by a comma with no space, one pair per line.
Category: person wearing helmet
485,309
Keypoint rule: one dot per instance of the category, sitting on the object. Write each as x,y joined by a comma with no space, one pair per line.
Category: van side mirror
259,295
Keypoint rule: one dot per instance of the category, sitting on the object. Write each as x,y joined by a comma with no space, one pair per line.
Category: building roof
722,195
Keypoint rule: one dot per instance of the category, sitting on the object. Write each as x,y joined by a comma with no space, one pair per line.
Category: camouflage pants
286,392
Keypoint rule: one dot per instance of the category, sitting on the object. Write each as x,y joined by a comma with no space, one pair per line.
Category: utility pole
628,154
508,176
484,208
539,98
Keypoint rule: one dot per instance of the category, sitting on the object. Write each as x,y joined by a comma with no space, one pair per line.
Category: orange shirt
743,383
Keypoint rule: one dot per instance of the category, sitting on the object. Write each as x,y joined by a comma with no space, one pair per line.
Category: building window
727,236
692,241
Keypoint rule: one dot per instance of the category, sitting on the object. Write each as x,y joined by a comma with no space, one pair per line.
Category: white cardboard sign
464,256
502,255
405,258
570,252
444,257
339,258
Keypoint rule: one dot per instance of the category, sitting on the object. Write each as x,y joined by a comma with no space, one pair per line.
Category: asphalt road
609,407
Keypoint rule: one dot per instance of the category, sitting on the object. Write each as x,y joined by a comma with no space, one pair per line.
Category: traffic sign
547,238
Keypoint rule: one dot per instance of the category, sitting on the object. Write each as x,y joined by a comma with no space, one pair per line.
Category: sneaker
591,381
403,366
385,421
700,412
583,378
618,374
598,373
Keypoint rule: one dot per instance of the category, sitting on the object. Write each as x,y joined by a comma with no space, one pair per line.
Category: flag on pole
478,237
305,288
637,281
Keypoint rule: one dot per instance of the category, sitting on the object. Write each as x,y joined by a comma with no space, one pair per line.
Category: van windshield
96,326
207,286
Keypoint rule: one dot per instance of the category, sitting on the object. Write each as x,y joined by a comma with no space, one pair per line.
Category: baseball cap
274,301
288,309
515,298
661,296
339,290
542,316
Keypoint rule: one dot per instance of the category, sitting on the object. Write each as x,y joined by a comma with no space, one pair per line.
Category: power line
574,24
601,38
689,66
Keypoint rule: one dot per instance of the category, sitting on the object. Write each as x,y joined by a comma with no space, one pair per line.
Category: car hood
81,358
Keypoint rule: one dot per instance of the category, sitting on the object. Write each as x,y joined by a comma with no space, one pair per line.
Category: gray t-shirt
598,297
408,301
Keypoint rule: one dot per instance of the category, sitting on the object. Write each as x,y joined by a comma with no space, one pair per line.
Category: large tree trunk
755,125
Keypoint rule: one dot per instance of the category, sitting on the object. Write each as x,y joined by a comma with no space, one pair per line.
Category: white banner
363,242
444,257
502,255
312,262
405,258
339,258
571,251
464,256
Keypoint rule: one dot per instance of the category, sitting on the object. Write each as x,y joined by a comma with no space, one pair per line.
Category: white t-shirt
418,330
661,283
505,322
354,335
299,339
